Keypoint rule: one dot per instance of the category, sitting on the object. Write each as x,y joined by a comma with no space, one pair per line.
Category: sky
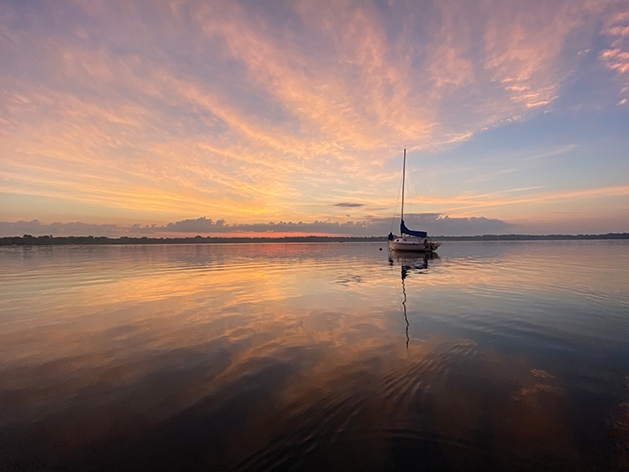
257,118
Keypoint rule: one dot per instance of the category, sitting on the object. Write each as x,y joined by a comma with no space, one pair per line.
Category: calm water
493,356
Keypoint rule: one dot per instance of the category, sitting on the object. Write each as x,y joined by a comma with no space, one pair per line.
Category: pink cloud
212,106
616,56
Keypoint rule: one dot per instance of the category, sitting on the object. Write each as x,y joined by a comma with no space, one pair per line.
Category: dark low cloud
77,228
349,205
434,223
444,225
200,225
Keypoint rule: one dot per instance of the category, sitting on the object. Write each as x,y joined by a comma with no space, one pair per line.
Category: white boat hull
412,245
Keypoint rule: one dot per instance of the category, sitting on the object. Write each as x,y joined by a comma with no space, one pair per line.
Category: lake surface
329,356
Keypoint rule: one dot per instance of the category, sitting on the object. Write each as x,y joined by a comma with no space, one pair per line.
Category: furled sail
410,232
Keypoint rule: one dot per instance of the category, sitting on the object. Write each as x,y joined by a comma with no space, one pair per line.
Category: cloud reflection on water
187,357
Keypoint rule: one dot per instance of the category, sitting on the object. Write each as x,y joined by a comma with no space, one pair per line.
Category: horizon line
50,240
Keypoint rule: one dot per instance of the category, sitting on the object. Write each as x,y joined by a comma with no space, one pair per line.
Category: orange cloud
260,121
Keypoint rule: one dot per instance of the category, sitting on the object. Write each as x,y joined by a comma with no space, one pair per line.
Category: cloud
434,223
616,55
252,112
349,205
202,225
444,225
35,228
526,195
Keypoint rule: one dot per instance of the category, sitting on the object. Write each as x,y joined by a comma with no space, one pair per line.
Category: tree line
49,240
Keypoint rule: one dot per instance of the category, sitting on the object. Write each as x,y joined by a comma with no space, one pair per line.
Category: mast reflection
409,264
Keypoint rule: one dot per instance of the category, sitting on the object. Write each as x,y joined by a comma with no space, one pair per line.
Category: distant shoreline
28,240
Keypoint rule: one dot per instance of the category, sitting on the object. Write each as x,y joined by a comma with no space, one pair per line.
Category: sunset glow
152,118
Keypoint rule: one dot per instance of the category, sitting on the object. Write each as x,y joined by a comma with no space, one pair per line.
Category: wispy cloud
260,113
461,204
616,56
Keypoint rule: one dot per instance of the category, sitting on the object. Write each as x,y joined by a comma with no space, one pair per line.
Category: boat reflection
410,263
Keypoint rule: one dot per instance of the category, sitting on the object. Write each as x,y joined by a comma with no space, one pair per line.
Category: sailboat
410,240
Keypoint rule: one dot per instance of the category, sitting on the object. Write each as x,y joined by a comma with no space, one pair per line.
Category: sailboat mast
403,179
